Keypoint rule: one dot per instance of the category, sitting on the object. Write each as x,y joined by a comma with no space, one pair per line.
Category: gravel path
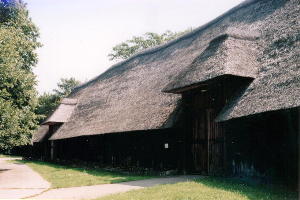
19,181
91,192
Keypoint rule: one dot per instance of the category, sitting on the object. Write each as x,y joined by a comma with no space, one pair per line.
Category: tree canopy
65,86
138,43
18,42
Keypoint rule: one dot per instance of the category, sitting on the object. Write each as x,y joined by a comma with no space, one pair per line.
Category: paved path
91,192
19,181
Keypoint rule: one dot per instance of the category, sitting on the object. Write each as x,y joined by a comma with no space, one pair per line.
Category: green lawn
8,156
61,176
206,189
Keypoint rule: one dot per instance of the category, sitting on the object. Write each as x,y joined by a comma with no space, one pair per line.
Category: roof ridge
169,43
68,101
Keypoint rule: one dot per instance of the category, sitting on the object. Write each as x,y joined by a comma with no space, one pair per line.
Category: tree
48,102
65,86
18,42
138,43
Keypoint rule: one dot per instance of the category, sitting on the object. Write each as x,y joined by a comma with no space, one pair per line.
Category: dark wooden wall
143,149
264,146
44,149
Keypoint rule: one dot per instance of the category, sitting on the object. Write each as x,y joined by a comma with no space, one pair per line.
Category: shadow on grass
253,191
115,177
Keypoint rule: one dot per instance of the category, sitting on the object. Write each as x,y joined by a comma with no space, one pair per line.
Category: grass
207,189
61,176
8,156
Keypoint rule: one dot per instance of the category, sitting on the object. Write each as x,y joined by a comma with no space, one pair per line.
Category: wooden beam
298,136
222,125
208,121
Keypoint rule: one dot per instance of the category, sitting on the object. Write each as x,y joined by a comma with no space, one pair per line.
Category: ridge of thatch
62,112
227,54
127,97
161,47
68,101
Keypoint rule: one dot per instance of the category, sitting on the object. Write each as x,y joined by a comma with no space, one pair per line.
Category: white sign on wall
166,145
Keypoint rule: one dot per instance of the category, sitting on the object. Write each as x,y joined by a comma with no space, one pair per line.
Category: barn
221,100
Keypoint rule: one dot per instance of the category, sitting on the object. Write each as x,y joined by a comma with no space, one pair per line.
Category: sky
78,35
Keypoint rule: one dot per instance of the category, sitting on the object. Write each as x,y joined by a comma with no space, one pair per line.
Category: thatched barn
223,99
43,147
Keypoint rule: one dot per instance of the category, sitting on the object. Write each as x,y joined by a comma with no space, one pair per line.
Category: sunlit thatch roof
129,96
62,112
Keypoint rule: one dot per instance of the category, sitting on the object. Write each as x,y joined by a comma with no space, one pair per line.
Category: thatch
41,132
62,112
128,96
225,55
278,83
68,101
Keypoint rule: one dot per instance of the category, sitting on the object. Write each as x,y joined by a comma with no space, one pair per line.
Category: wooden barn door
207,144
199,143
216,144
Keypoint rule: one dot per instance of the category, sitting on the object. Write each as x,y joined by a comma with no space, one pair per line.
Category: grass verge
61,176
8,156
207,189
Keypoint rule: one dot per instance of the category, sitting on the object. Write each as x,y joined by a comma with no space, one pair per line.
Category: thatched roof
62,112
129,96
227,54
278,83
41,132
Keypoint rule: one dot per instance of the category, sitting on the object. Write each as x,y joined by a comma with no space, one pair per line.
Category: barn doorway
207,143
205,139
205,147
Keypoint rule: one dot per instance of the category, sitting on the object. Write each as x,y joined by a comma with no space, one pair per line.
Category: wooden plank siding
206,150
298,149
264,146
140,150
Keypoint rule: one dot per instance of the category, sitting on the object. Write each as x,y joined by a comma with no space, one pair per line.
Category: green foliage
48,102
65,86
18,41
139,43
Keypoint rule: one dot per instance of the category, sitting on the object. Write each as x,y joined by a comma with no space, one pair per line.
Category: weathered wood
205,131
207,138
51,150
208,122
132,150
298,149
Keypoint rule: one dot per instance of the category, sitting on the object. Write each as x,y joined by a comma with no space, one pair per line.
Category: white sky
77,35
